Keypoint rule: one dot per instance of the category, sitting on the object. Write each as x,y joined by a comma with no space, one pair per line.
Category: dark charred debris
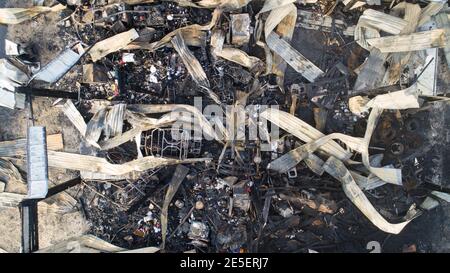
329,67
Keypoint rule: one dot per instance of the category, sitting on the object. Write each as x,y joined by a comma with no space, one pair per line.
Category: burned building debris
231,126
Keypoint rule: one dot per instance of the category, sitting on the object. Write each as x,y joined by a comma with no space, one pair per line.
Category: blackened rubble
358,129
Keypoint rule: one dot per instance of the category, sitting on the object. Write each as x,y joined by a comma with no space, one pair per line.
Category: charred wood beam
29,216
44,92
54,190
30,235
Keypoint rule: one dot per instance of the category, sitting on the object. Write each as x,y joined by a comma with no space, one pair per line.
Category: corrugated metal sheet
57,68
426,83
11,100
75,117
114,120
37,162
10,72
10,78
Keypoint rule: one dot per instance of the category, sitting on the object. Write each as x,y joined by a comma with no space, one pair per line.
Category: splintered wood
408,38
402,99
278,29
12,16
303,131
412,42
192,64
311,20
296,60
338,170
113,44
63,160
18,147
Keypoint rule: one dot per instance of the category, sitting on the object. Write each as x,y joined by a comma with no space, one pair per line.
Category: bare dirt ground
53,227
